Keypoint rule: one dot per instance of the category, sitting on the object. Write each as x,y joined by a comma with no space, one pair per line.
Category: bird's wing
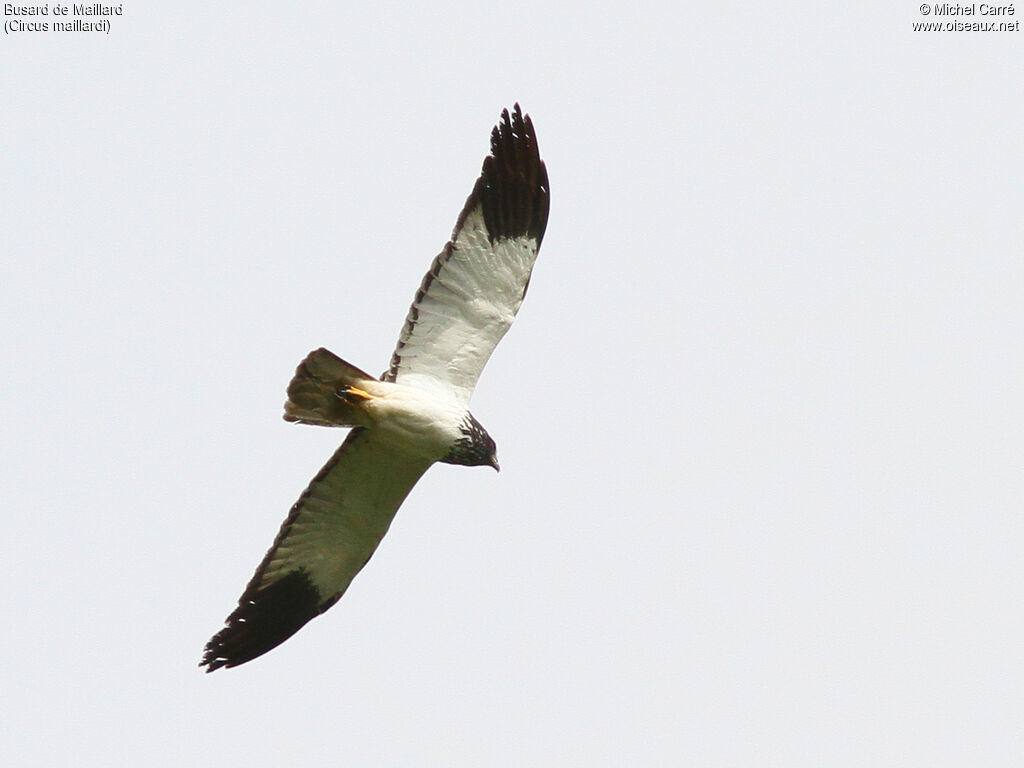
330,534
471,294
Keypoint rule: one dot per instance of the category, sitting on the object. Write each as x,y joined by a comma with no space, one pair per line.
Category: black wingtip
264,619
513,185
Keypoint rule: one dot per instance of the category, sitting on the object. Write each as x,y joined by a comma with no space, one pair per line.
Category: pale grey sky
759,419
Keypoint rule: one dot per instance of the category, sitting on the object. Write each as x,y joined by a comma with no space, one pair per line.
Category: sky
759,418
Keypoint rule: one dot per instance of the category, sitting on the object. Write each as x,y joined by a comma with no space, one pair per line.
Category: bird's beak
494,462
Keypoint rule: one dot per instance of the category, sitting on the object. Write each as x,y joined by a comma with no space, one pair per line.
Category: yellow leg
356,392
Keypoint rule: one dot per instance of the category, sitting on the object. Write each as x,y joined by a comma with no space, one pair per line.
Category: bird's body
416,414
418,422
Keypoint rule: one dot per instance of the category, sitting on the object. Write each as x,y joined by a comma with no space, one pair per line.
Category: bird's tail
328,391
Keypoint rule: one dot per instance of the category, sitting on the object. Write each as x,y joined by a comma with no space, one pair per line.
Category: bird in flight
416,414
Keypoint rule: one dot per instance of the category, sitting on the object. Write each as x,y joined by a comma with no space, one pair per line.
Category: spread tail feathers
327,391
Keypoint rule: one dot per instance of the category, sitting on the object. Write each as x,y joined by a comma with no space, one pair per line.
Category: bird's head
473,447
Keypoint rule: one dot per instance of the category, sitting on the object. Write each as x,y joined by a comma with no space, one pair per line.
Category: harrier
416,414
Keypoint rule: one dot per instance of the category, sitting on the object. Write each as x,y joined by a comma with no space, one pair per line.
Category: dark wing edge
514,195
513,185
267,616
